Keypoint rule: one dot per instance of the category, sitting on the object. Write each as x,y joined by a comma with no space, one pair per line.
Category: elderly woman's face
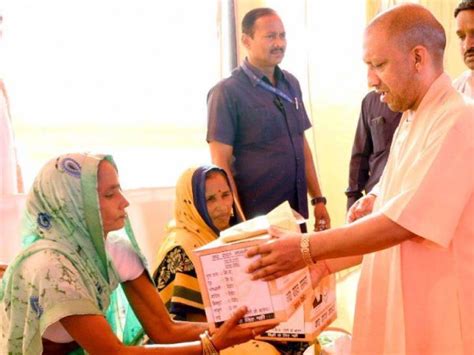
112,201
219,200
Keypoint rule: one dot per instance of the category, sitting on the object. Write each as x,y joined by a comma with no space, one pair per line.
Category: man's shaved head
411,25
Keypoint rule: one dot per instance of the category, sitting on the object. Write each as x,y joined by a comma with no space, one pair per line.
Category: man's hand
362,207
322,220
279,256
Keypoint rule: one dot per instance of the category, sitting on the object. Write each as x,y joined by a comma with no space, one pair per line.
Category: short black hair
464,5
252,16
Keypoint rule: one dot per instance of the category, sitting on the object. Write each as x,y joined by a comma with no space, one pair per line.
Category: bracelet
208,347
305,251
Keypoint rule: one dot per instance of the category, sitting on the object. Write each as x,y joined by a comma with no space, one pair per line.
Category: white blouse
128,266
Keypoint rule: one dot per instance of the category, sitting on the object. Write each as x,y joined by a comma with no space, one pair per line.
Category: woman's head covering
192,226
63,206
62,233
190,212
199,191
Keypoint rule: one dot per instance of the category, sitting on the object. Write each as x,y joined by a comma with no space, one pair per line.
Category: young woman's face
112,201
219,200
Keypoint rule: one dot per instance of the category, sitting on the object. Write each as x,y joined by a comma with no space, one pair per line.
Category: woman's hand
280,256
230,333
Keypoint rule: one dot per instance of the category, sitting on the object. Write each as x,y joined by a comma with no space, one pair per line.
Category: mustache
469,52
280,49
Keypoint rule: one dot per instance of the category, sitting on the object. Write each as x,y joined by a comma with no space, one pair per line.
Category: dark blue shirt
267,135
371,147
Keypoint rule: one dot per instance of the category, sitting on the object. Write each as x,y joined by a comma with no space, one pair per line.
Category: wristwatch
316,200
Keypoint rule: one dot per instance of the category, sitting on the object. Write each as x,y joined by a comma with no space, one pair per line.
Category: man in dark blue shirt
371,147
256,125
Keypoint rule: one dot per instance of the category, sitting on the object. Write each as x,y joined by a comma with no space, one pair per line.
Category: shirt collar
436,92
279,75
440,87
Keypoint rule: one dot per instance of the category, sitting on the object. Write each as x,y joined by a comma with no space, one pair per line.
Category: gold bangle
305,250
208,347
